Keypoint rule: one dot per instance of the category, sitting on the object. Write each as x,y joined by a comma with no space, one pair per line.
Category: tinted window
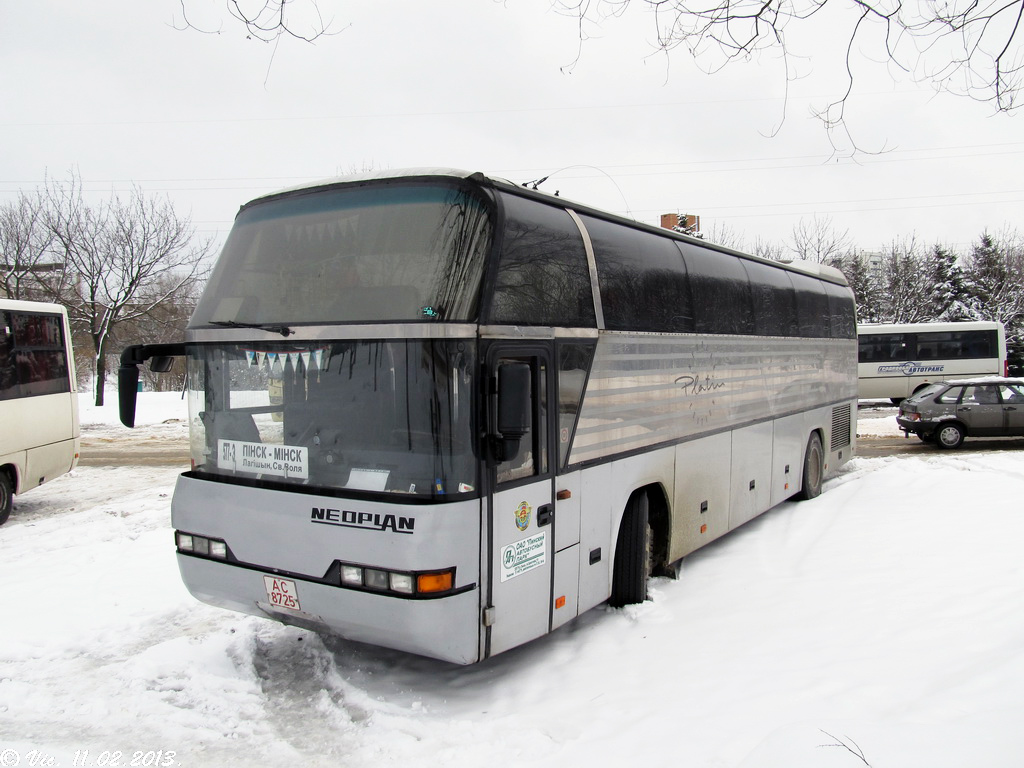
395,252
643,279
573,367
532,458
883,347
773,299
32,355
812,306
952,345
841,311
720,291
542,278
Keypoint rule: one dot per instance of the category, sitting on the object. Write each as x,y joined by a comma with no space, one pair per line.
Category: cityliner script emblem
523,516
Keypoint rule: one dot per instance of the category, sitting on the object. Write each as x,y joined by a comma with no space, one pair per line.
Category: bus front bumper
445,628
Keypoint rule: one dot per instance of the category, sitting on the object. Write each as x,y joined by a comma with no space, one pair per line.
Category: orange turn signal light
434,582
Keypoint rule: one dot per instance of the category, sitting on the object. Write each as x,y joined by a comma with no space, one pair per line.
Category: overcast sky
112,90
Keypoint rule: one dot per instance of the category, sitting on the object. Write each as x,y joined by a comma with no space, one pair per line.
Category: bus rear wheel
6,496
632,565
814,469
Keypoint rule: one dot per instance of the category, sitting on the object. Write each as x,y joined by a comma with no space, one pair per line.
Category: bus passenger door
521,503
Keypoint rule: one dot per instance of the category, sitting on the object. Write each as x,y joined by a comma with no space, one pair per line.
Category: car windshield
385,416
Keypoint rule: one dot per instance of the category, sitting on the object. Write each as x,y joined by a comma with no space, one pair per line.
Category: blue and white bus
444,413
896,360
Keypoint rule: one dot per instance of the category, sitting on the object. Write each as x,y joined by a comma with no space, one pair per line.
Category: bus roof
32,306
964,325
821,271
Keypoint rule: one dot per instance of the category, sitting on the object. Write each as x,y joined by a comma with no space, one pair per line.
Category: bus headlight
428,584
201,545
352,575
401,582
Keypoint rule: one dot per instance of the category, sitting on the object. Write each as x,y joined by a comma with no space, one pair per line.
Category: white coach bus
39,438
898,359
447,414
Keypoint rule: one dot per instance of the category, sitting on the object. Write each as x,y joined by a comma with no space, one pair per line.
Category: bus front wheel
632,565
6,496
814,469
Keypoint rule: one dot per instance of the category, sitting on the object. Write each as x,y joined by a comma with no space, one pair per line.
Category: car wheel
950,436
6,496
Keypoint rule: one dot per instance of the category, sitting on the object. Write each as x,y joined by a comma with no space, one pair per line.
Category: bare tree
723,234
968,47
769,250
268,20
818,240
123,259
24,246
904,283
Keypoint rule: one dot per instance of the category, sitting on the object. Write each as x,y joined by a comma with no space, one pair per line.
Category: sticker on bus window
261,459
523,556
368,479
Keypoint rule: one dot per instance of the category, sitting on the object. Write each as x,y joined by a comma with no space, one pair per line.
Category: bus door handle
544,513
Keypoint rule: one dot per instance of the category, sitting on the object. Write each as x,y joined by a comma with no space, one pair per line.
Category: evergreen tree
947,297
994,282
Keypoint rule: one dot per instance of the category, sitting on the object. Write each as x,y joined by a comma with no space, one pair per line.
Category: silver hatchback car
948,411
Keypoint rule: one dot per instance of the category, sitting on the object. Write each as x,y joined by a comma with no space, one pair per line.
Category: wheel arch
11,470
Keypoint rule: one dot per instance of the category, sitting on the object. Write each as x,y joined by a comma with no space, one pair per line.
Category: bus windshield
384,416
396,252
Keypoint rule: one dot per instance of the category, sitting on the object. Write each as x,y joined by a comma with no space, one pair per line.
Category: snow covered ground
879,624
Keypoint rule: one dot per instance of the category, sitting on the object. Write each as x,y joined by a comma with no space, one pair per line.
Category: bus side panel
872,385
700,512
789,444
301,536
751,473
43,433
568,513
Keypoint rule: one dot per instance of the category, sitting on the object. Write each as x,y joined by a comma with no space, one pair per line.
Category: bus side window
720,288
542,277
643,281
532,458
7,380
574,362
812,307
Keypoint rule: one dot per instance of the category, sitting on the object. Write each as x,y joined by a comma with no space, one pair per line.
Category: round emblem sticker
523,516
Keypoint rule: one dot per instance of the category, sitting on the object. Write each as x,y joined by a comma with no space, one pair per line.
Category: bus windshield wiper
284,330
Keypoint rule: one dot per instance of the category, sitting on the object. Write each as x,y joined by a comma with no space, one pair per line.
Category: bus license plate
281,593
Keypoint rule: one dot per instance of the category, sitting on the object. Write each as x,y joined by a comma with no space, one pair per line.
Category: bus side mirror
161,357
127,393
515,406
161,364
